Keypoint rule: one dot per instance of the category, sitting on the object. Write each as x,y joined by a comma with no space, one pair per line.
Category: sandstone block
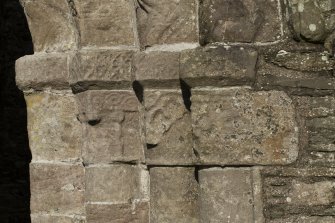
238,126
34,71
230,195
166,22
56,219
157,68
111,126
239,21
57,189
101,69
168,128
218,66
105,23
174,195
56,34
53,128
116,183
118,213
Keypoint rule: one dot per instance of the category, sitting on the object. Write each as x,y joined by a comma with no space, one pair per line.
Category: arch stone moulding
176,111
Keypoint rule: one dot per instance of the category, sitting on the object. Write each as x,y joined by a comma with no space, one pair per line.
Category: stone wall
181,110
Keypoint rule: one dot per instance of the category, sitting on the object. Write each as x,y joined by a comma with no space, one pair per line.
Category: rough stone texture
118,213
305,219
33,71
56,34
239,21
100,69
218,66
224,193
174,195
166,22
239,126
111,126
105,23
120,184
168,130
54,131
57,189
157,67
56,219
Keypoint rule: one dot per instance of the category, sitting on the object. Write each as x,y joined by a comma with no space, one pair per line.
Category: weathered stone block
101,69
56,219
304,219
218,66
238,126
313,107
155,69
174,195
118,213
116,183
53,128
239,21
230,195
168,128
34,71
57,189
111,126
166,22
56,34
105,23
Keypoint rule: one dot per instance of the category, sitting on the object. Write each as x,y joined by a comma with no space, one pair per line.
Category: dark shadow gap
15,155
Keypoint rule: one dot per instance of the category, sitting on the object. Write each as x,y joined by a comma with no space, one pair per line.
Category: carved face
312,20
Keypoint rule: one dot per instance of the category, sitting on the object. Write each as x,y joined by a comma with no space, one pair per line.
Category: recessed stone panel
166,22
238,126
246,21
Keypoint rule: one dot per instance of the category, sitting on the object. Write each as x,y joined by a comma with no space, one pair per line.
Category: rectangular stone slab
239,126
173,195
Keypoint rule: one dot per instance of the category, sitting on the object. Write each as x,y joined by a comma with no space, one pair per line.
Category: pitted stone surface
166,22
56,219
239,126
54,132
239,21
111,126
168,130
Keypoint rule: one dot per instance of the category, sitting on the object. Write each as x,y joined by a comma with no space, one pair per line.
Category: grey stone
230,195
218,66
239,21
111,125
156,69
118,213
173,195
116,183
57,189
105,23
54,131
166,22
56,219
168,128
56,34
305,219
34,71
238,126
313,107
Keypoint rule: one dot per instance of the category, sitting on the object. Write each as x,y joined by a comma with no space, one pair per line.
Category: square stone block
168,128
105,23
102,68
116,183
173,195
118,213
218,66
246,21
53,128
57,188
111,125
56,34
239,126
156,69
166,22
230,195
34,71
